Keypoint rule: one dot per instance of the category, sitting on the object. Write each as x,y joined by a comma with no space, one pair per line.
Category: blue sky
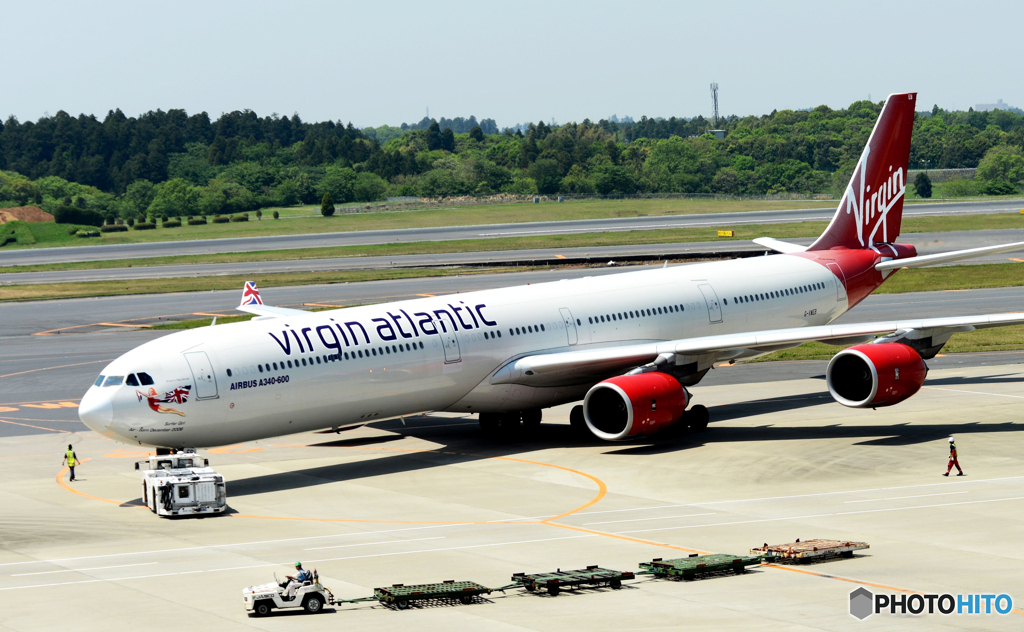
384,62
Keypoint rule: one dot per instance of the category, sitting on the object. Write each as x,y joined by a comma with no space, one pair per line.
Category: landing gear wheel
313,604
261,608
532,418
698,418
577,421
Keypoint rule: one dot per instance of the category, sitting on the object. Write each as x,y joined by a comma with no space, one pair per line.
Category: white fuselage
275,376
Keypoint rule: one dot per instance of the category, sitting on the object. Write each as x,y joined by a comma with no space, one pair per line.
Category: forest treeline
171,163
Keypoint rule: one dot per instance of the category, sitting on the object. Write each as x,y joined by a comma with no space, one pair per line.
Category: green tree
338,181
476,133
174,197
327,205
369,187
1002,164
923,185
138,196
447,140
433,136
546,174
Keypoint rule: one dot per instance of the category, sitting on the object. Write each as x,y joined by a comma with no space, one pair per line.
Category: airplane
629,345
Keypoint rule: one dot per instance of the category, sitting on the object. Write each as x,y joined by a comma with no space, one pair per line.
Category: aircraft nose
96,410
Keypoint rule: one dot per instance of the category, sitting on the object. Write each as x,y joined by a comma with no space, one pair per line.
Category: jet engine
872,375
634,405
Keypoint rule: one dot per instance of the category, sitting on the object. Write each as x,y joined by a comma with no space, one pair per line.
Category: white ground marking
331,559
82,570
345,546
589,524
824,515
219,546
956,390
873,500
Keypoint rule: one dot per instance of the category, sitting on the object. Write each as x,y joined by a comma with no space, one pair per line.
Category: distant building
998,105
719,133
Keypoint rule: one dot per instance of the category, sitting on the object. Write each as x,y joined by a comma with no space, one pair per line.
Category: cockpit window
131,381
144,379
114,380
99,380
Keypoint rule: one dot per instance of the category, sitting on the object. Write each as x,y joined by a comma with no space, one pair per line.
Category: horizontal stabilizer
946,257
779,246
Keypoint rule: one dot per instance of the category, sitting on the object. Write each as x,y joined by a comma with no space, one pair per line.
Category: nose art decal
178,396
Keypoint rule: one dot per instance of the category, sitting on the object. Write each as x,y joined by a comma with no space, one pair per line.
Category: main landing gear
696,418
510,422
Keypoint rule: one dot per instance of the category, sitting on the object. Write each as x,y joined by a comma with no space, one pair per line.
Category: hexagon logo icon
860,603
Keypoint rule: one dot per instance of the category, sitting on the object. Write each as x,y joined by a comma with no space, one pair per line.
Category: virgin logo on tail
871,210
867,205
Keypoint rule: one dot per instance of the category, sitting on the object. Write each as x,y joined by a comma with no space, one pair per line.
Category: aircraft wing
253,304
569,367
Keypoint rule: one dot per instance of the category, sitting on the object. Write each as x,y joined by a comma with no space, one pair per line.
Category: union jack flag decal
250,295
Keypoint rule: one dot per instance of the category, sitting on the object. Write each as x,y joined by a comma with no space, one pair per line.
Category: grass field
593,240
303,220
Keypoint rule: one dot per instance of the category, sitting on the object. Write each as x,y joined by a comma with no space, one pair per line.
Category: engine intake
873,375
634,405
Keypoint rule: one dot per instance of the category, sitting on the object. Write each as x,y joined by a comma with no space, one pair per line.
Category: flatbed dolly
810,549
589,577
401,596
690,567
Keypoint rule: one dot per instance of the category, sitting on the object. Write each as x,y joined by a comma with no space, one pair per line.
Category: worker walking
72,460
952,459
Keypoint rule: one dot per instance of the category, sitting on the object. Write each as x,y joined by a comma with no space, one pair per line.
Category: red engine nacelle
868,376
634,405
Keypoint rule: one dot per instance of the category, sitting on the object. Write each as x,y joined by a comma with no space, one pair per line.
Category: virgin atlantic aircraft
629,345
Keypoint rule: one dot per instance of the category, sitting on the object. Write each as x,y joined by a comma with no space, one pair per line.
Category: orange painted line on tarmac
207,314
1017,260
60,481
321,305
15,423
40,401
230,449
559,256
427,295
47,368
123,325
52,405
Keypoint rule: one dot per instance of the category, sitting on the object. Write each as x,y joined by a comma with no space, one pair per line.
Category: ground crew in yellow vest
72,460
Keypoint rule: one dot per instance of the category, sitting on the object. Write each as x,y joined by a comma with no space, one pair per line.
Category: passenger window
229,374
99,380
131,381
114,380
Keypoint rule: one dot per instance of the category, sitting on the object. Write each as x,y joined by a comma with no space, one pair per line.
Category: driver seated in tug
293,582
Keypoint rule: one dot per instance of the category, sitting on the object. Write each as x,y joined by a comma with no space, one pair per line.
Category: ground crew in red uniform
72,460
952,459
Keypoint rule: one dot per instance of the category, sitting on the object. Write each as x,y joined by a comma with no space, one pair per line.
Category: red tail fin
872,207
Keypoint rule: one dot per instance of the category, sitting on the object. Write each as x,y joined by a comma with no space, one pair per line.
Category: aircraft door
570,325
202,373
711,299
450,342
840,282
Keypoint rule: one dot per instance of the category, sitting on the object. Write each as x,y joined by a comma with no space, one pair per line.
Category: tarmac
428,498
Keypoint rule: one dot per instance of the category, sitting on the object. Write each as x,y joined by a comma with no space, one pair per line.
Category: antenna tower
714,102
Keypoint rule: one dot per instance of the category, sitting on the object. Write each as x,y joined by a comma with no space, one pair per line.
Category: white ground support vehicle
311,596
182,484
